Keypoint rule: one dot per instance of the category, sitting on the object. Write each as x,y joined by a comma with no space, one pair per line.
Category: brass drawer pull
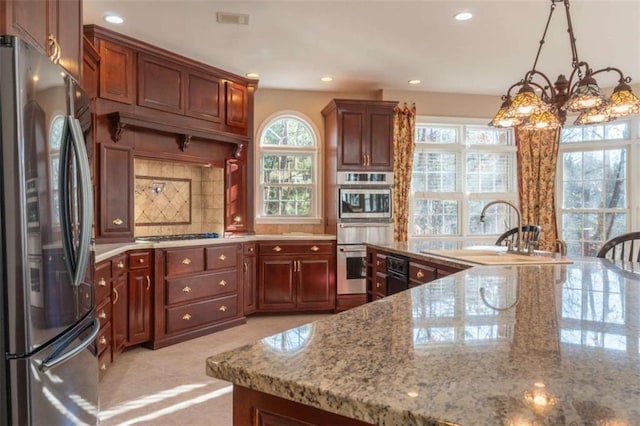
186,317
103,367
186,261
120,265
378,263
186,289
314,248
117,221
378,284
222,283
102,282
148,283
277,249
222,257
419,274
237,219
102,315
103,340
116,298
222,308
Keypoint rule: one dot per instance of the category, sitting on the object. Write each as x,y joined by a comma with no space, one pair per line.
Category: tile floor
169,386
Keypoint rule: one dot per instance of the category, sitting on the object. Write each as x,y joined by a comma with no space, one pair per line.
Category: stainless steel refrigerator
49,370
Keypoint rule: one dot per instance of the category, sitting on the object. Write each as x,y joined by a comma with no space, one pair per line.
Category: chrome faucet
519,246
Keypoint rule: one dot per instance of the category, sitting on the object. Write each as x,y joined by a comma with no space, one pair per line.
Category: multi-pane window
593,174
288,175
457,170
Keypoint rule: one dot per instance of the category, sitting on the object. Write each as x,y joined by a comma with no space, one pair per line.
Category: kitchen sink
496,255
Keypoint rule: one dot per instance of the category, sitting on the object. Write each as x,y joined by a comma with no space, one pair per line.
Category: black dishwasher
397,274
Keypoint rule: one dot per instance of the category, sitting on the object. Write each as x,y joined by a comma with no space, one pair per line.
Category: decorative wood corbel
184,142
238,151
116,126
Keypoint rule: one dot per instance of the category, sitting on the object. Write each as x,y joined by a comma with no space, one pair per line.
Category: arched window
288,175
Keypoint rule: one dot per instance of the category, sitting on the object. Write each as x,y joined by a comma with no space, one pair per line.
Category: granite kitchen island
534,344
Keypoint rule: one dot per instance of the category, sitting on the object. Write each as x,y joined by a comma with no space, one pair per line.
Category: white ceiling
370,45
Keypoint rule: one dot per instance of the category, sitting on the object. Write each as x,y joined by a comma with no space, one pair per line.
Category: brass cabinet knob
222,257
141,260
186,289
378,263
186,261
103,340
103,367
120,265
117,221
277,249
251,249
378,284
102,282
186,317
314,248
102,315
222,308
222,283
419,274
237,219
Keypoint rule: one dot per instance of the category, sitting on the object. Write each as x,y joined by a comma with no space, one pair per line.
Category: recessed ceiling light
112,18
253,75
415,81
463,16
326,78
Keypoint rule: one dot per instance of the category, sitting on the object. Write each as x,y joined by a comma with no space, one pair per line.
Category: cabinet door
276,284
66,21
351,137
120,313
237,105
316,282
379,138
116,183
235,196
249,284
27,20
160,84
116,72
202,96
139,323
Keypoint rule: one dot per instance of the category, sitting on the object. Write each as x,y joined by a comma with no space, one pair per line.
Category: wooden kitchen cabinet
421,272
160,84
360,133
250,299
115,201
104,341
296,277
54,26
198,291
120,302
117,72
140,299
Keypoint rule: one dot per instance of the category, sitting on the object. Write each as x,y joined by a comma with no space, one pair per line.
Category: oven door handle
357,249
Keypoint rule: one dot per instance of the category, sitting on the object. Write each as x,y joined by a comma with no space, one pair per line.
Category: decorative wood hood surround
152,103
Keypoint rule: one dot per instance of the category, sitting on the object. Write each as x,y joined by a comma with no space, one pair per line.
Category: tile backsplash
165,203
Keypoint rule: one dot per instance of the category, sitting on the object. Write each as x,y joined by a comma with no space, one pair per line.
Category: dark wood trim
119,120
252,407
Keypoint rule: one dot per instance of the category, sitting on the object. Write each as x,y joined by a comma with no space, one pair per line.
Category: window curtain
404,129
537,153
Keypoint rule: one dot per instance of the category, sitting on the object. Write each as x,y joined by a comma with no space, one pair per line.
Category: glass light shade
595,116
587,95
543,120
525,103
501,119
623,102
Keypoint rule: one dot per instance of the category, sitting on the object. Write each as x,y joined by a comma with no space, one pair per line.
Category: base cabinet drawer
103,341
104,362
181,318
205,286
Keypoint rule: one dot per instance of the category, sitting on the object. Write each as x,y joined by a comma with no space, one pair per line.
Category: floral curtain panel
404,128
537,152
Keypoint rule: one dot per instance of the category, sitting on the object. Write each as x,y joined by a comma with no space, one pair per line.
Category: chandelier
580,93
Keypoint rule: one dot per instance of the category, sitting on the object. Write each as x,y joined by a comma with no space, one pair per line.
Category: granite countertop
540,344
105,251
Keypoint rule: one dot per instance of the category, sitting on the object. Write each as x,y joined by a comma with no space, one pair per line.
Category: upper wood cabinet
114,221
52,25
117,72
203,96
236,106
160,84
360,133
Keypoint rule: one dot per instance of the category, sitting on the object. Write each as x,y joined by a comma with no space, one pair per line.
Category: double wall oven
365,215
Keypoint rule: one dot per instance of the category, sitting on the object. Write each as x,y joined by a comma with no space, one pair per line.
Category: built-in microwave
365,203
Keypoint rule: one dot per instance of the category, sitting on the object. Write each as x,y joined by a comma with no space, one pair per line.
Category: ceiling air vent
232,18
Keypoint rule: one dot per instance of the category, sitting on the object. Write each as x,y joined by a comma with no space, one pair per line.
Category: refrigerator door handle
86,204
56,359
65,208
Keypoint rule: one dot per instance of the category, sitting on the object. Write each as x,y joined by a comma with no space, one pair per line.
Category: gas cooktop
159,238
